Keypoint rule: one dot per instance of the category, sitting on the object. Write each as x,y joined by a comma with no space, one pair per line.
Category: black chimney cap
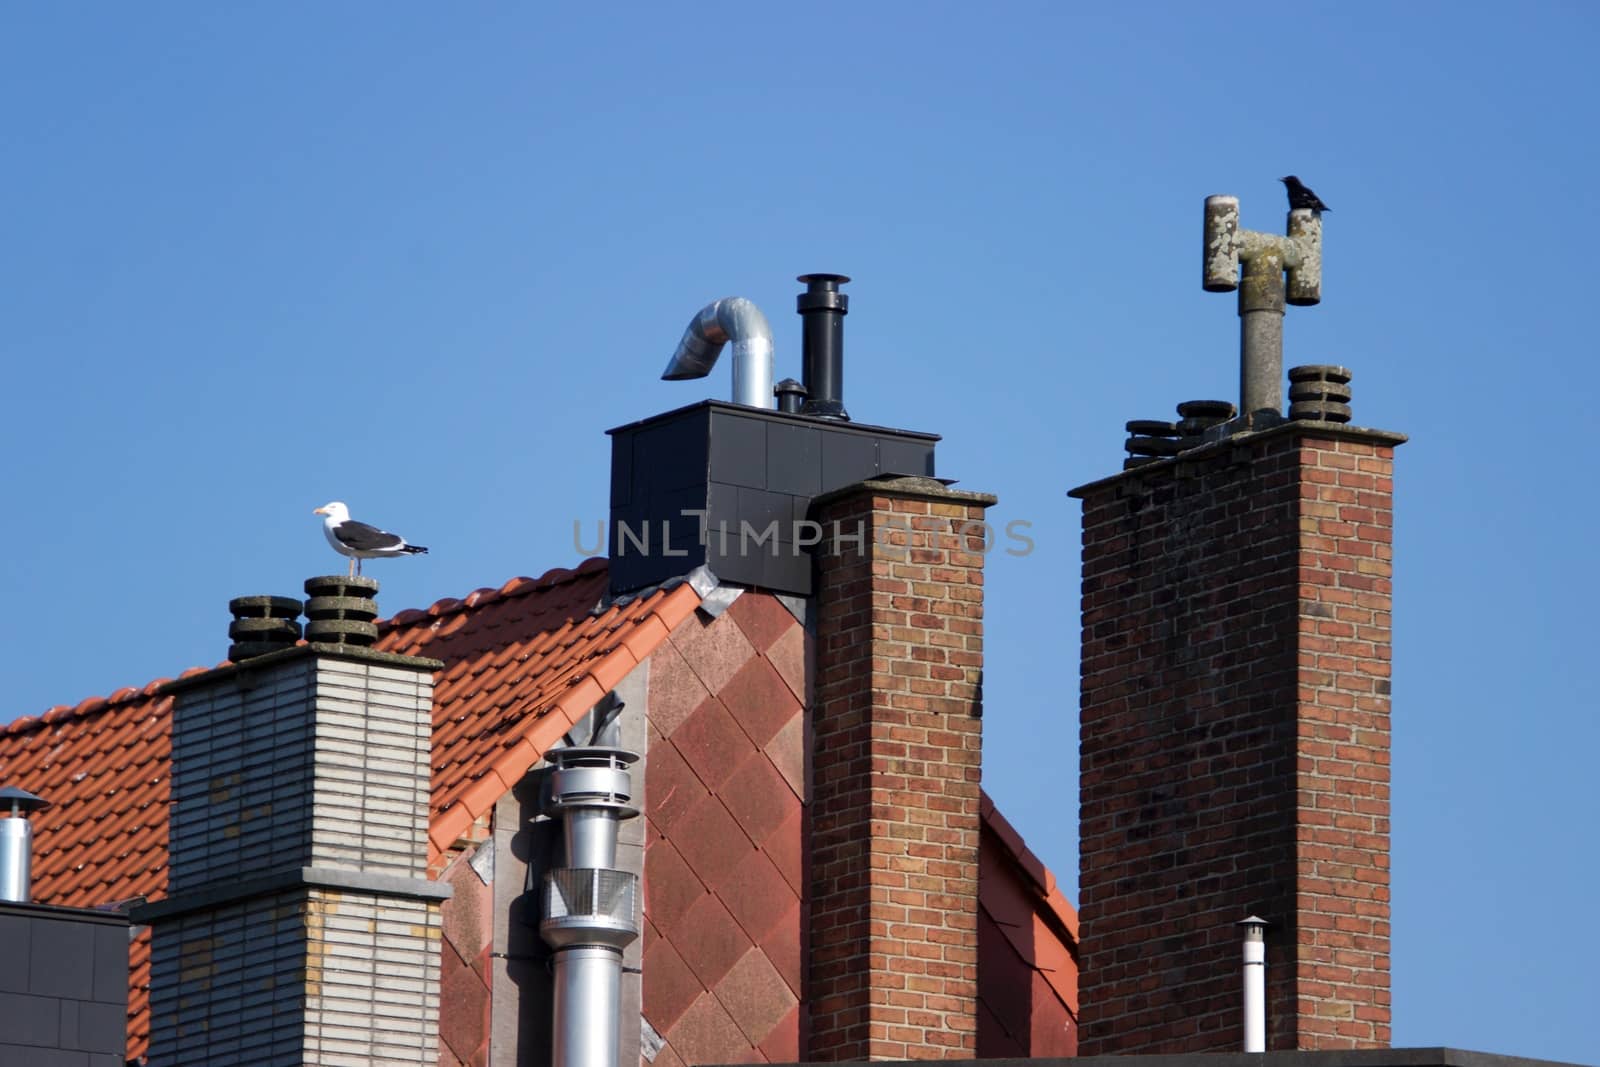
22,799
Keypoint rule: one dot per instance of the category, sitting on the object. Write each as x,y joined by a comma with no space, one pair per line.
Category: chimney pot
341,610
262,624
1319,392
1198,416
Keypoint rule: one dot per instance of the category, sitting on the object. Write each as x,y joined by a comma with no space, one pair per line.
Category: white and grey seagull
358,540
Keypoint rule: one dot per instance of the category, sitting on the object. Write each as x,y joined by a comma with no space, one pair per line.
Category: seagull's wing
363,538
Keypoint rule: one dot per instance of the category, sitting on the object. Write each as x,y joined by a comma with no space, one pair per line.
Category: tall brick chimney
1235,742
893,907
299,925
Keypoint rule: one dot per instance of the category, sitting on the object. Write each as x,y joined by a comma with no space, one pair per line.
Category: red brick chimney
893,908
1235,742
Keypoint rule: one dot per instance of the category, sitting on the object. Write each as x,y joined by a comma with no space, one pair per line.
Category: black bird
1300,196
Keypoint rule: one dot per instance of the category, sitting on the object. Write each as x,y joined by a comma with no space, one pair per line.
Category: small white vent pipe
16,844
733,318
1255,983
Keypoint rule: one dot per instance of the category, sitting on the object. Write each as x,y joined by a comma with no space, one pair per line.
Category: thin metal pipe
16,844
734,319
586,1006
590,837
822,308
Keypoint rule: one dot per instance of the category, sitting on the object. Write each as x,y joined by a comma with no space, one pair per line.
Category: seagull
358,540
1300,196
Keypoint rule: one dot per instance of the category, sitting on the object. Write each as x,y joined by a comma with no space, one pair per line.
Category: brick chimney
299,925
893,847
1235,742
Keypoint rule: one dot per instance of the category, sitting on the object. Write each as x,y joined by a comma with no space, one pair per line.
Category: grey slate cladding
739,465
63,986
290,774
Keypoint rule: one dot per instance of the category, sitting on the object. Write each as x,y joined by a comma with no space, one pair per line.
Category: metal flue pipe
822,308
589,904
1255,983
16,844
735,319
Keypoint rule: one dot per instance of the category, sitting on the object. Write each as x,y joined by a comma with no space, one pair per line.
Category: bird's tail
415,550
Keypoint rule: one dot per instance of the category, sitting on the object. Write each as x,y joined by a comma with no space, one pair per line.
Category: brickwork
1235,743
895,819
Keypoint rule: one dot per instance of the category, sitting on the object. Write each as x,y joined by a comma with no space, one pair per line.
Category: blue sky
418,257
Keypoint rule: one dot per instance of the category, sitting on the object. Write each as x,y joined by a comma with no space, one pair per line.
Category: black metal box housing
730,487
63,986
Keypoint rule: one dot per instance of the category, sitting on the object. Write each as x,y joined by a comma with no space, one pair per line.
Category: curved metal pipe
733,318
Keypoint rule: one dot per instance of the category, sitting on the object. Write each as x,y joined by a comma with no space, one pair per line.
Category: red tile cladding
670,787
787,750
711,841
763,619
520,664
675,690
1027,945
714,649
782,946
722,803
716,939
783,1042
758,796
465,979
761,695
463,1006
669,985
783,848
708,1034
756,894
755,995
670,887
712,743
788,655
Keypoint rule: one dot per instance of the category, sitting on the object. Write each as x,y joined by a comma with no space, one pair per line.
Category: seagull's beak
319,511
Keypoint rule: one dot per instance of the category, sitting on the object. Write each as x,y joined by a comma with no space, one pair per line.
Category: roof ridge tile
521,585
